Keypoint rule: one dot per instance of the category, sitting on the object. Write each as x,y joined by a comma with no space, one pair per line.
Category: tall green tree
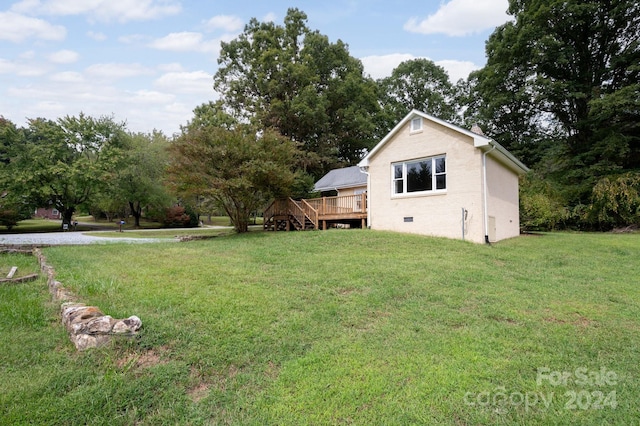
294,80
14,206
68,162
138,178
240,168
417,84
567,71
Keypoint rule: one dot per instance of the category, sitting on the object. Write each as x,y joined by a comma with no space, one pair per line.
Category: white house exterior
430,177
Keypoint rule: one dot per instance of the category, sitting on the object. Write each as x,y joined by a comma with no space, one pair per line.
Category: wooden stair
289,214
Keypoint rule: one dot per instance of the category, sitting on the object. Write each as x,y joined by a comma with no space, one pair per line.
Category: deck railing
315,209
297,211
344,204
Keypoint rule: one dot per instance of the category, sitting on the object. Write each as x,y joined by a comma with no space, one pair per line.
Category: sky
149,63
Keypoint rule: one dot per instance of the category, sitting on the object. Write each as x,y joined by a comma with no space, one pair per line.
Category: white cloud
186,82
171,67
64,57
111,71
151,97
102,10
68,77
29,54
186,42
17,28
224,22
164,107
96,36
270,17
461,18
457,69
7,67
22,69
381,66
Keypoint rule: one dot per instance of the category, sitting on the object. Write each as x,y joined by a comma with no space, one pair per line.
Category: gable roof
479,141
341,178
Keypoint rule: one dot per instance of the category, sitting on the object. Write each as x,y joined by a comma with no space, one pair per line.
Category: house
341,182
430,177
426,176
47,213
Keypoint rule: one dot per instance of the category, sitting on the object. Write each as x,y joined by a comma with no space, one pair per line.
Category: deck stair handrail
310,212
297,212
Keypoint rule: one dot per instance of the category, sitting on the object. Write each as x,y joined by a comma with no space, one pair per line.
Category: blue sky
151,62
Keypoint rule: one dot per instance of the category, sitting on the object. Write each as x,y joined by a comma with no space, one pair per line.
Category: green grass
88,223
33,225
26,264
164,233
335,327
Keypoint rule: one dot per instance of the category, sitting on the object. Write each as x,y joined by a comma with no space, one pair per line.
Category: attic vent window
416,124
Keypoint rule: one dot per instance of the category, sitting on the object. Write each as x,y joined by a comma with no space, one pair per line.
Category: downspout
365,170
484,194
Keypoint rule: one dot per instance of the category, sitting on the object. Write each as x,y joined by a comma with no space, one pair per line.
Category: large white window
416,176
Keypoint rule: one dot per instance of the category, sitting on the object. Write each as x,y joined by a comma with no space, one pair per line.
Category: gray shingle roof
341,178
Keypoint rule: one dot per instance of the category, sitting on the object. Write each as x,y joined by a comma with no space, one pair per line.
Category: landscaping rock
127,326
87,326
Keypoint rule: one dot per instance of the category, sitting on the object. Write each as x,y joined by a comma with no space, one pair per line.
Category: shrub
615,201
176,216
542,208
194,221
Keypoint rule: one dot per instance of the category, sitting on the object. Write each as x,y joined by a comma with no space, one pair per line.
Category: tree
137,181
294,80
570,68
417,84
240,168
616,201
67,162
14,206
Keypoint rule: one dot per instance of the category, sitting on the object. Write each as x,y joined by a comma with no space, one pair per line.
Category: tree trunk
136,212
67,216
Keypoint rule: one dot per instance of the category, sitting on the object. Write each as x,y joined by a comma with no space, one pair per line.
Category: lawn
336,327
33,225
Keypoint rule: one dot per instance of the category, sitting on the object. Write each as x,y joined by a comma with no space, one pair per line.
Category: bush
176,216
542,208
194,221
615,201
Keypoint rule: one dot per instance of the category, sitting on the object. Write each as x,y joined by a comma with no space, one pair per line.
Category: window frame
415,129
402,167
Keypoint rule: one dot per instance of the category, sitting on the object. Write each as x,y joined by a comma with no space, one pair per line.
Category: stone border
87,326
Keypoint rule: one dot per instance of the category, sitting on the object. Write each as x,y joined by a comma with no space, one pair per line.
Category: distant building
47,213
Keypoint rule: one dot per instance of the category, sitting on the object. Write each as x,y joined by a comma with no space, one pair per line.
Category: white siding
432,214
502,200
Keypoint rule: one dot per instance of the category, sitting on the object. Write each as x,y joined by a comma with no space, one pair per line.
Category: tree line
560,90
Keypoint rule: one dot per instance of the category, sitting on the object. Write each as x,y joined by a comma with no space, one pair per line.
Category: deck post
288,225
324,225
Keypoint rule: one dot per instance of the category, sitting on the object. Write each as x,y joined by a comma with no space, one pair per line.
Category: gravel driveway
71,238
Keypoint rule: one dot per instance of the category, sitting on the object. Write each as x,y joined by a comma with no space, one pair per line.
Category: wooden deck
316,213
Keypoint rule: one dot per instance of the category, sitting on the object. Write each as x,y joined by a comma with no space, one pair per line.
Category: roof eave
503,154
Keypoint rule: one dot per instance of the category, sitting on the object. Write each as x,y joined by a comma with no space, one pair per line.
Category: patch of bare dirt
147,359
626,229
198,392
